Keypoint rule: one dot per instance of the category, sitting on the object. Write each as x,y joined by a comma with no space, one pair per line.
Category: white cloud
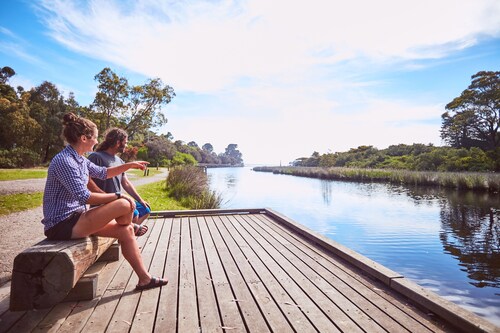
283,76
206,46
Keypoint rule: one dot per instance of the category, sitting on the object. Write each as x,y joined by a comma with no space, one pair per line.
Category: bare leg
95,219
141,219
114,220
130,249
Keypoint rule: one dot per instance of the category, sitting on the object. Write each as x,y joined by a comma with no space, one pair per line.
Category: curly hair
74,127
111,138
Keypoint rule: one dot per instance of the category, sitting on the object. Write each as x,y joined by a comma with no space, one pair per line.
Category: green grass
156,195
15,174
18,202
140,173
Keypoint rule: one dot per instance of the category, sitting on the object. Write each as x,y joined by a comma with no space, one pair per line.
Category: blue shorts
141,210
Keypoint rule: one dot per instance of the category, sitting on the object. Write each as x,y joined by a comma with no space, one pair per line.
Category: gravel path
23,229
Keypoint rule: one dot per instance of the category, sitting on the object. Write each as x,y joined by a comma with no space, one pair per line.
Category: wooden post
45,273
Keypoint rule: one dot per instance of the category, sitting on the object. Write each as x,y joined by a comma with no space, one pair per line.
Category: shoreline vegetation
474,181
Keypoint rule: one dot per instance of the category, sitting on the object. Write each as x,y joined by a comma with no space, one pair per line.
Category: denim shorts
64,229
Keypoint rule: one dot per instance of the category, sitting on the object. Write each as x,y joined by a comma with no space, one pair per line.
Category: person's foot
153,283
140,230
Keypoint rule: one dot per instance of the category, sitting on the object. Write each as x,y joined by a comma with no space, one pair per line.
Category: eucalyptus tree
473,118
144,106
47,107
134,108
110,102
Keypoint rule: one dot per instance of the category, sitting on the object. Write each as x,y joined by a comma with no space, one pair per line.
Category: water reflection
326,191
231,180
471,234
470,229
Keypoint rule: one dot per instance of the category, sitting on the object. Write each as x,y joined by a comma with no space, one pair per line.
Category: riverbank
474,181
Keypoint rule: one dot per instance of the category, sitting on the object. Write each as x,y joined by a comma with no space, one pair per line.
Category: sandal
140,230
154,283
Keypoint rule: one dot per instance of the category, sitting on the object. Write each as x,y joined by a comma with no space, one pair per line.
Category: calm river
448,242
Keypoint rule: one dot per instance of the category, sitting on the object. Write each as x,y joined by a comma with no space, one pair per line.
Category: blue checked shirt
66,188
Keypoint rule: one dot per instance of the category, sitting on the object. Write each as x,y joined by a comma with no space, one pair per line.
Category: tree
110,99
208,147
5,74
193,144
232,155
145,104
48,106
473,118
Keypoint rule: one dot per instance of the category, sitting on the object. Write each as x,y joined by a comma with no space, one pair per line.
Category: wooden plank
309,280
205,212
277,293
166,319
82,312
229,310
207,303
358,308
103,312
4,297
187,306
55,318
294,295
269,310
356,287
455,314
125,311
26,322
250,311
145,316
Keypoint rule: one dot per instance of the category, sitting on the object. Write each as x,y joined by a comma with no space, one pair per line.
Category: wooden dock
247,271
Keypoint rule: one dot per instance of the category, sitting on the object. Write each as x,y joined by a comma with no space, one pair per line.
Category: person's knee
126,232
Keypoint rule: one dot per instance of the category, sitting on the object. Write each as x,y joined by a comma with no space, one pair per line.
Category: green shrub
18,158
183,159
189,184
207,200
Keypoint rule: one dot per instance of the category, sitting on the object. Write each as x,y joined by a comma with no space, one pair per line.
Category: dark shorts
63,230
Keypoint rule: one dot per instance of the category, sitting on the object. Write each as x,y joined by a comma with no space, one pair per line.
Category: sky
281,78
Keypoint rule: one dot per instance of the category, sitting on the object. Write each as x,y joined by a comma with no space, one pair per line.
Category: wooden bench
45,274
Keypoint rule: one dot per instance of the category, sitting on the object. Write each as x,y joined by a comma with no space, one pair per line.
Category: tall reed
475,181
189,185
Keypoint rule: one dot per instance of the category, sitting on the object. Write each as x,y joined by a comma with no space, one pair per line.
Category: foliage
135,108
473,118
456,180
186,181
189,184
18,158
232,155
156,195
31,126
207,200
411,157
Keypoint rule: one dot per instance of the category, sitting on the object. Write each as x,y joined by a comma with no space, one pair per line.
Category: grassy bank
20,201
15,174
459,180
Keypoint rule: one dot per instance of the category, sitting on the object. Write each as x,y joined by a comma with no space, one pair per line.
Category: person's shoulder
96,156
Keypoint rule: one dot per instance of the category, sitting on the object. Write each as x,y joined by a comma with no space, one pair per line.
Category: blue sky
279,78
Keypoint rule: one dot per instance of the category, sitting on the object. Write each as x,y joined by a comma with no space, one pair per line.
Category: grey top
102,158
